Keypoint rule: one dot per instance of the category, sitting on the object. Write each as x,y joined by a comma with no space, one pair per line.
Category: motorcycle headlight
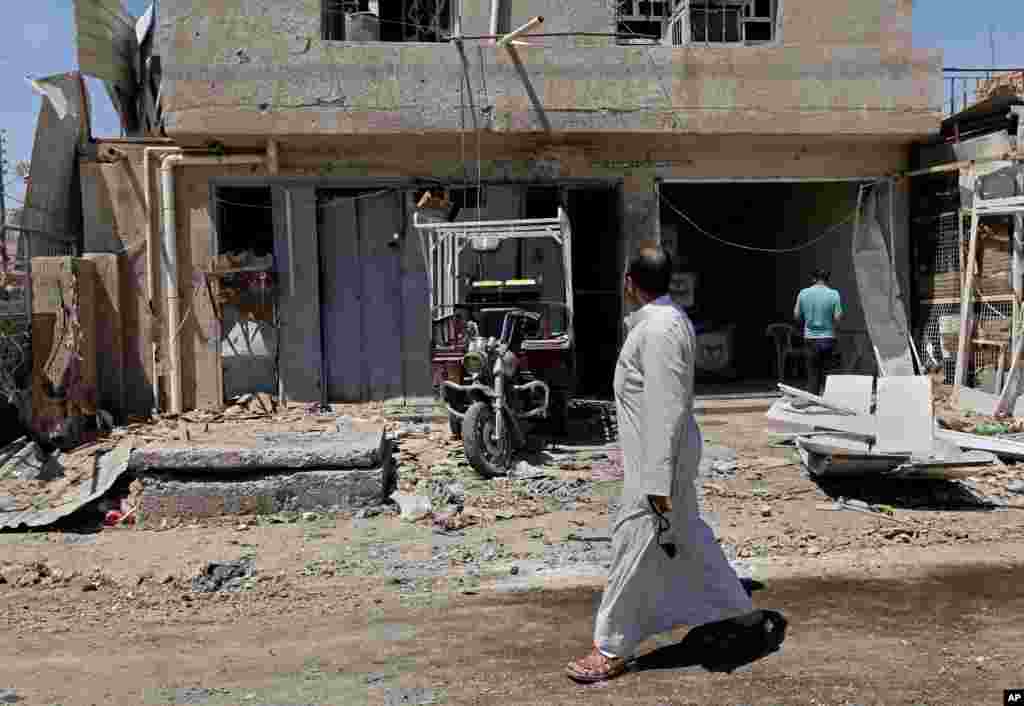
473,363
509,364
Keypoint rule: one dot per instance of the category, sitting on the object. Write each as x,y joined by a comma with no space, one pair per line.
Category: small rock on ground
8,696
1016,486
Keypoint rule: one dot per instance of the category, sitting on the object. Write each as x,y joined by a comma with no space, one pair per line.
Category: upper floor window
387,20
722,22
640,21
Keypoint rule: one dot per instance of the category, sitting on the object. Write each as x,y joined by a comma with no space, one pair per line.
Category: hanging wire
333,203
776,251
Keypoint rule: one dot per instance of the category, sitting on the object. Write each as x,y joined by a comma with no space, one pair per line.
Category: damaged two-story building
304,133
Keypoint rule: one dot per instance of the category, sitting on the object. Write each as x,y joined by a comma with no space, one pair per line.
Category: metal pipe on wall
151,261
169,261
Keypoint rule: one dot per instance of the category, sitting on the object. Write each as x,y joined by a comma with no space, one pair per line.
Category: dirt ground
919,606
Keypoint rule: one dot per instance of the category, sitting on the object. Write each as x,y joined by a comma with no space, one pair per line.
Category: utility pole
3,201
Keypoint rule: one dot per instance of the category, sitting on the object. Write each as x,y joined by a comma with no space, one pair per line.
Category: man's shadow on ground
719,647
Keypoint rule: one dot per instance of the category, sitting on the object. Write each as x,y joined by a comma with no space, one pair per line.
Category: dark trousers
820,362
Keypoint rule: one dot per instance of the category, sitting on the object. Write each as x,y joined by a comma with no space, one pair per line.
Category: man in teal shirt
820,309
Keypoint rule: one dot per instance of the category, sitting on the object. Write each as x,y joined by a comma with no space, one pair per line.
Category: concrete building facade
755,120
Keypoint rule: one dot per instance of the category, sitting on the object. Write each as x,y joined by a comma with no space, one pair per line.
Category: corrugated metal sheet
108,47
108,469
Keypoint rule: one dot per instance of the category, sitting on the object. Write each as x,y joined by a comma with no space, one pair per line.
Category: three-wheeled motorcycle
503,354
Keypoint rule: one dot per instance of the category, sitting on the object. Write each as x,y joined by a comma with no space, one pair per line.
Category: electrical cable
773,251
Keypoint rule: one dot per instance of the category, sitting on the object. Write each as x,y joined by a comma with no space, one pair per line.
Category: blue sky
37,38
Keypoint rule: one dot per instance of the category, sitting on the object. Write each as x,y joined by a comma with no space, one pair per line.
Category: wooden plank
850,391
904,412
966,308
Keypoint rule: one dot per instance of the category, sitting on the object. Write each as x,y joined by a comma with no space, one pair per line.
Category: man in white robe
667,568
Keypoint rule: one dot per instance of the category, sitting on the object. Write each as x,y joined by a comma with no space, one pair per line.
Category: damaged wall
113,197
239,68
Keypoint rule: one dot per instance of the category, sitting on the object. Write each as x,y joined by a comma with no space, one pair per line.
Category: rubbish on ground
9,696
899,440
228,576
1016,486
524,471
74,487
413,507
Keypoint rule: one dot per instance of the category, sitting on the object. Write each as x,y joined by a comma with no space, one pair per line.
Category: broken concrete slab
108,469
906,421
176,495
286,450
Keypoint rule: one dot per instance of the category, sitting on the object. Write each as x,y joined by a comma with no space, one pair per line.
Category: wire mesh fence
17,247
941,236
939,333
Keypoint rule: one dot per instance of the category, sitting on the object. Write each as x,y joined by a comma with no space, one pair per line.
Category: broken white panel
1003,448
860,425
884,310
851,391
906,422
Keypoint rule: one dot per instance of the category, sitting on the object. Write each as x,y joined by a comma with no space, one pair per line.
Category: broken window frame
681,29
433,22
630,13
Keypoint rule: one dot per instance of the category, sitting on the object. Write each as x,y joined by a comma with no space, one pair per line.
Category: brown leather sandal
595,667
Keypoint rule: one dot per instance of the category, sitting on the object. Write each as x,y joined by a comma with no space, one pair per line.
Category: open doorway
596,273
743,251
244,289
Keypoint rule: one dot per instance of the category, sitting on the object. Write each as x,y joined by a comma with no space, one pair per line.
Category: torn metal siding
63,125
108,40
108,469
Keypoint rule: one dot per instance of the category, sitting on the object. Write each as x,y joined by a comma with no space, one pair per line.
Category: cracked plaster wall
247,67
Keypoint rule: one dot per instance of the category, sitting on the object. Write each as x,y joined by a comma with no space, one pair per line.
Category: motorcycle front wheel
490,457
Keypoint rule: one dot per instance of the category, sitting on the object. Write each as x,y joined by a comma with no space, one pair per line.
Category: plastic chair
783,336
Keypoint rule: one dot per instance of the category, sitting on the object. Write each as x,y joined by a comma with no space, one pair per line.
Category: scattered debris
85,475
9,696
416,696
227,576
413,507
